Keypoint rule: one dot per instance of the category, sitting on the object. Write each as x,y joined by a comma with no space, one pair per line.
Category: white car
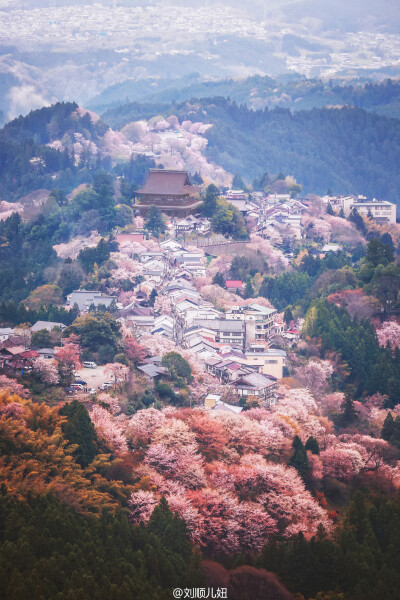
92,391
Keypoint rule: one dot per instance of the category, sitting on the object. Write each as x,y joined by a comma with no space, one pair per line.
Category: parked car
106,385
77,386
89,365
80,381
92,391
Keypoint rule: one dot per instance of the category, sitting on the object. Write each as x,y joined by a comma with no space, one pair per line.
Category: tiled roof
164,181
258,380
151,370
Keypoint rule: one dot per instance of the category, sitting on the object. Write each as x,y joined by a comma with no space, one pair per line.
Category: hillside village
199,300
217,362
237,339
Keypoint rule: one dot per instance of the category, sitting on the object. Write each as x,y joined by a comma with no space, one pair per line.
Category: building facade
381,210
171,191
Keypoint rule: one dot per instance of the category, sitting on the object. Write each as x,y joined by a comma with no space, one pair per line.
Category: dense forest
317,147
27,163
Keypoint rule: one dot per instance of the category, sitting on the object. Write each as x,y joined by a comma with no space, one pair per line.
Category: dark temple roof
165,181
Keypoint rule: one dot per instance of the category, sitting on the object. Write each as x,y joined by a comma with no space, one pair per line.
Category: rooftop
49,325
168,182
258,380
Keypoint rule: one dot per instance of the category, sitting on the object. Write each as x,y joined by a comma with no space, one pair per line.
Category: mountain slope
348,150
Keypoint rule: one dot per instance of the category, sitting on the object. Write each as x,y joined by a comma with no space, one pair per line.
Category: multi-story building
227,331
270,361
260,386
381,210
259,320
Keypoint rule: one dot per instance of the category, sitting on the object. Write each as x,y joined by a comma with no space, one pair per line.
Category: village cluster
232,337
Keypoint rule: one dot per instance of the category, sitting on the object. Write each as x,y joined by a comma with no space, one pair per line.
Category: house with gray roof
48,325
84,299
260,386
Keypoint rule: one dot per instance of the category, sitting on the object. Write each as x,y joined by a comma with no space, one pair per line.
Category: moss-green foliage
50,552
362,560
99,335
14,315
178,368
26,163
79,430
317,146
285,289
372,368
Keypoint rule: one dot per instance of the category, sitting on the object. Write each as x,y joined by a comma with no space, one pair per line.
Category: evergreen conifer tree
299,459
349,414
388,427
312,445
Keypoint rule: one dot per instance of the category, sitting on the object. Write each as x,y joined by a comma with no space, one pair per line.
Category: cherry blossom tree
47,370
68,358
182,464
135,352
163,305
127,268
314,376
317,229
117,371
109,429
12,410
158,345
6,383
331,403
142,425
221,264
72,248
356,303
141,505
344,231
276,260
341,462
389,332
110,403
138,222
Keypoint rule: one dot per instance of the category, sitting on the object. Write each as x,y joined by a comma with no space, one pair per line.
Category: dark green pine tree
288,315
155,223
349,414
249,290
299,459
79,430
312,445
219,279
329,209
388,427
210,201
395,437
153,296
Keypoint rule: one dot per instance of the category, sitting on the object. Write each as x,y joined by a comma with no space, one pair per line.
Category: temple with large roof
171,191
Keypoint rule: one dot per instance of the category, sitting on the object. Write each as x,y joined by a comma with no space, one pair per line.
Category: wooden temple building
171,191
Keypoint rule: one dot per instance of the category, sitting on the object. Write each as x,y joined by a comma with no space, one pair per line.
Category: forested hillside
28,162
287,91
348,150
